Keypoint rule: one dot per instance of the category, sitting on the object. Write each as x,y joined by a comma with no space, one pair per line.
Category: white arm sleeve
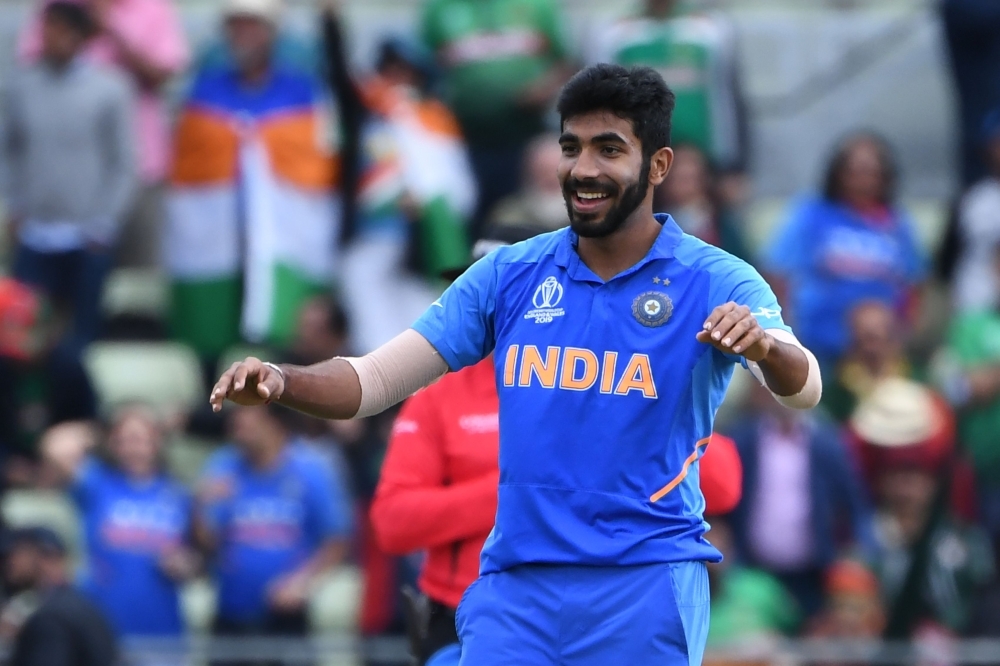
811,392
396,370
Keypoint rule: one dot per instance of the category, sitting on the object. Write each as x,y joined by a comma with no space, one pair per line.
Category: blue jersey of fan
606,397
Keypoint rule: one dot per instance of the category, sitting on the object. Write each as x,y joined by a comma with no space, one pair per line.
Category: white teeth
591,195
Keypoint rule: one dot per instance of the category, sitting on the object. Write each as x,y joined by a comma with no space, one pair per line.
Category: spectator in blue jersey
614,341
848,244
274,517
136,521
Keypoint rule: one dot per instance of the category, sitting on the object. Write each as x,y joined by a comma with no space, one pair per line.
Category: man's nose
585,166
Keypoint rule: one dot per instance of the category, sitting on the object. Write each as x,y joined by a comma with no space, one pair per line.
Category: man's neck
611,255
59,65
254,77
267,457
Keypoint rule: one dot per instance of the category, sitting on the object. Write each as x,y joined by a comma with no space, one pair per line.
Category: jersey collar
567,257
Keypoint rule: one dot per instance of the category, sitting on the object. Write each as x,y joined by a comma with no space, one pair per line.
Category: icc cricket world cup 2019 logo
546,300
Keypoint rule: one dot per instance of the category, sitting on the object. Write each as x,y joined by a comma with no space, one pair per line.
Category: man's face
603,173
250,41
135,445
60,42
872,327
688,180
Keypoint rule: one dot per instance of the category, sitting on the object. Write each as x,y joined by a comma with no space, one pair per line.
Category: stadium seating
165,375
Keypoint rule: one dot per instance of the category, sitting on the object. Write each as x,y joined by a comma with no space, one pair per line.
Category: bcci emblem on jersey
547,296
652,308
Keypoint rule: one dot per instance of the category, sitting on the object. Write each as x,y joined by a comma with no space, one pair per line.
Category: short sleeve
734,280
743,285
460,324
328,512
788,252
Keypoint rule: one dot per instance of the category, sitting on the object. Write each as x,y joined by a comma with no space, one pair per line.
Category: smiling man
614,342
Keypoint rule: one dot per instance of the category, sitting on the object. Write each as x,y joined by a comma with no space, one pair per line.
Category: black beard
629,200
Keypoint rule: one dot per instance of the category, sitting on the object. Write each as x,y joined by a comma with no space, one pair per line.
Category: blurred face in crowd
135,443
688,180
540,175
863,176
61,42
250,41
906,494
22,568
874,334
660,8
856,615
603,172
398,72
316,338
256,432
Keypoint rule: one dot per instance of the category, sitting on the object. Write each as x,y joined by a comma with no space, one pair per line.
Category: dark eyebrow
568,137
609,137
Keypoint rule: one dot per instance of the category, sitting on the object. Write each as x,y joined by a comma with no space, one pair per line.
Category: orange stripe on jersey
205,150
662,492
292,142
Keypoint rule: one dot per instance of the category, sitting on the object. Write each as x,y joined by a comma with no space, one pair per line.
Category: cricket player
614,342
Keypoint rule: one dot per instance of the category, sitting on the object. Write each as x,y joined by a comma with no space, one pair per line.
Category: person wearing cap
854,608
905,434
438,484
63,627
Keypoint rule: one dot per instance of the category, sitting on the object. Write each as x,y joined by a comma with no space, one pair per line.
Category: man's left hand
289,593
733,330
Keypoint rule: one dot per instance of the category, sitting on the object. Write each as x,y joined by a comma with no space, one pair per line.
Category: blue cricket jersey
606,397
268,522
129,525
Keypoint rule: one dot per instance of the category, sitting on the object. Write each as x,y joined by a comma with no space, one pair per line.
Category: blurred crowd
296,207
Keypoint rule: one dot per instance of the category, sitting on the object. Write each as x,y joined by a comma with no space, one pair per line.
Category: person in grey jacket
67,170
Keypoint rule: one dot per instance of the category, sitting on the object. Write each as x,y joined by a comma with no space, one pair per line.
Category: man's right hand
249,382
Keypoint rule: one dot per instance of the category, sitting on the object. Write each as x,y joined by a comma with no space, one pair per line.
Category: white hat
267,10
898,412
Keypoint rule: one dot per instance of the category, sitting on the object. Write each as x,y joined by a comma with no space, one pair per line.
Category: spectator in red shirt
438,485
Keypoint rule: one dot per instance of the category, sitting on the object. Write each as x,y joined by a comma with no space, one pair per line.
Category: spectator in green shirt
748,605
695,52
974,387
503,63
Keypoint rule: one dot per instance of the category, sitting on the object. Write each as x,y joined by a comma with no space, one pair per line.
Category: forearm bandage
396,370
812,390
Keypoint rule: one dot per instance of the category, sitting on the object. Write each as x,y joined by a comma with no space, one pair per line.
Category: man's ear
659,165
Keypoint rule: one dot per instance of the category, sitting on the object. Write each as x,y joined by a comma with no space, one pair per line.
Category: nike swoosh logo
438,304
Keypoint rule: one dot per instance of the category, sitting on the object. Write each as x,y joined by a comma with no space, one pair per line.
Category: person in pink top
144,39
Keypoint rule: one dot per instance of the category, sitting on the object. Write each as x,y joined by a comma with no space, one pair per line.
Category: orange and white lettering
531,362
510,365
608,371
638,377
570,365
